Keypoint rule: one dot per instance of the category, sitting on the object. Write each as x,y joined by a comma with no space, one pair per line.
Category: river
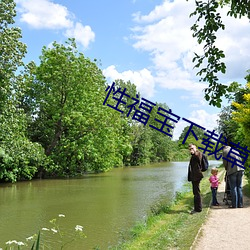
105,204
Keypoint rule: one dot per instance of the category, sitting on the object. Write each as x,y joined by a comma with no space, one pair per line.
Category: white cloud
159,12
204,119
234,41
44,14
178,129
165,33
143,79
200,117
83,34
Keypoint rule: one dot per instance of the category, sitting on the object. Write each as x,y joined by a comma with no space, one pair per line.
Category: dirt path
225,228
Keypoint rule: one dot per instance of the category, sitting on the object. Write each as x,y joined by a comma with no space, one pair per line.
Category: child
214,185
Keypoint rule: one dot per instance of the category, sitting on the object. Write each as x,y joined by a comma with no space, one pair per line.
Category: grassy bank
170,226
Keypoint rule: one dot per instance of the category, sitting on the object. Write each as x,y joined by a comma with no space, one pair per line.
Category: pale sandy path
225,228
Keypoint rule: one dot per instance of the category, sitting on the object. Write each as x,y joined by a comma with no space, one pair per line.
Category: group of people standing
234,173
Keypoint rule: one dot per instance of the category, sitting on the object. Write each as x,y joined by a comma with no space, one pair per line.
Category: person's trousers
214,196
235,182
197,196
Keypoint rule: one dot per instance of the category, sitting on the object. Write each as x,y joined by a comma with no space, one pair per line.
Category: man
234,172
195,175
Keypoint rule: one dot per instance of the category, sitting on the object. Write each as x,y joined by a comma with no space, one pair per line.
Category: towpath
225,228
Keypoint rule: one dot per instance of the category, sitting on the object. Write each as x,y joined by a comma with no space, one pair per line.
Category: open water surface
104,204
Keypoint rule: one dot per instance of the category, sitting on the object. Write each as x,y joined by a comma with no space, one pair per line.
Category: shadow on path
225,228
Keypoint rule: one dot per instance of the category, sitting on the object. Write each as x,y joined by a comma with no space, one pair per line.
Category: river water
104,204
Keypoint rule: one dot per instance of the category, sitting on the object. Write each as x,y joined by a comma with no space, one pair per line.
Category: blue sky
148,42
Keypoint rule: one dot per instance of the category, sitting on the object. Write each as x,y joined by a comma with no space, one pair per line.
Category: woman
233,165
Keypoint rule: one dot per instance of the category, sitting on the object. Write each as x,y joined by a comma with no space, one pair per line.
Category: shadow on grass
183,204
179,221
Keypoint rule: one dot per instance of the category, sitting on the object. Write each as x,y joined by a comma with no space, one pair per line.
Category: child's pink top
214,181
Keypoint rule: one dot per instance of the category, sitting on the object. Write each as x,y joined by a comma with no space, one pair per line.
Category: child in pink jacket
214,186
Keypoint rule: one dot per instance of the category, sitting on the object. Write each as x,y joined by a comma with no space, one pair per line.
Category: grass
170,226
246,187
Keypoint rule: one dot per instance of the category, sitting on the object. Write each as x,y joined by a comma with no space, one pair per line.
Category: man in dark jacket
195,175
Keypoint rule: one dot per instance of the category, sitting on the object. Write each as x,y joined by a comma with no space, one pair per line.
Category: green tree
12,50
130,129
19,157
241,115
191,138
226,125
162,148
208,23
150,144
66,93
141,145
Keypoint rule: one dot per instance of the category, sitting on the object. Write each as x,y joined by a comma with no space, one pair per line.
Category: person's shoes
194,212
217,204
231,206
240,206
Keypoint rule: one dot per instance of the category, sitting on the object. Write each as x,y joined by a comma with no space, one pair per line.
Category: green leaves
67,91
207,13
20,158
210,63
239,8
52,118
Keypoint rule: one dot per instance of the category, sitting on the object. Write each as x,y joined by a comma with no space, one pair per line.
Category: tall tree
241,115
19,157
12,51
69,119
226,125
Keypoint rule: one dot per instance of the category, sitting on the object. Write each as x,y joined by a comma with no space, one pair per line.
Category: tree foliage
205,28
67,117
19,158
149,144
226,125
53,121
234,119
241,115
12,50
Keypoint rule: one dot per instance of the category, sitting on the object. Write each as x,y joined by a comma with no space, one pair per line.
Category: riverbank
171,227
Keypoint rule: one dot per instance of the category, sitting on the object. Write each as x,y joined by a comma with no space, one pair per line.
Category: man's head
192,148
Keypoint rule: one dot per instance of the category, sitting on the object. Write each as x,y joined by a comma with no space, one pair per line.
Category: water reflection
105,204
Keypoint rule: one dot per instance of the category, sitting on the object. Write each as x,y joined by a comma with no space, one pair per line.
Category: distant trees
52,118
191,138
149,144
